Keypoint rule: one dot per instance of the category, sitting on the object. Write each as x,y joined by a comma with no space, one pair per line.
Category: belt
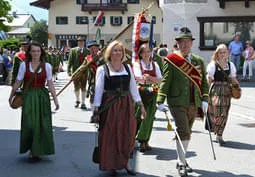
236,54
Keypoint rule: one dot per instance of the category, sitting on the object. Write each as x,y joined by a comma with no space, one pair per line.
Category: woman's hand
143,115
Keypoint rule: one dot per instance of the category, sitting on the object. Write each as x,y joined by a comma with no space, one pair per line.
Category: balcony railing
105,7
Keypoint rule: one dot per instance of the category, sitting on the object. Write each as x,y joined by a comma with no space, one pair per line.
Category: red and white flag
99,17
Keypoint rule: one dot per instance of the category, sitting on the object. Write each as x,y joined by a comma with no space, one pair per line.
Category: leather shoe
83,106
142,147
130,172
77,104
182,171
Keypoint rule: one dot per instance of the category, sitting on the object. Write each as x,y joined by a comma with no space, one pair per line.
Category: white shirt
99,85
22,71
138,72
211,70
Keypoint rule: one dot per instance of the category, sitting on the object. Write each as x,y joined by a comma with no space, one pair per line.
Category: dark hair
28,56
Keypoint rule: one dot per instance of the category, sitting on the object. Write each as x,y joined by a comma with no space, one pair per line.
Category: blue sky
22,6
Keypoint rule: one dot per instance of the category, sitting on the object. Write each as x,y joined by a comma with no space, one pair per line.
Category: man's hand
204,106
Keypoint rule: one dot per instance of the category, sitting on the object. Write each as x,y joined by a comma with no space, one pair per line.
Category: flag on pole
151,33
99,17
98,35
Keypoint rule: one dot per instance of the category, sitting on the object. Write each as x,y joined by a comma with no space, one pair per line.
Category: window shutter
57,20
120,20
111,20
77,20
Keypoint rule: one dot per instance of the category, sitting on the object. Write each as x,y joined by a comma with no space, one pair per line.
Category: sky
23,6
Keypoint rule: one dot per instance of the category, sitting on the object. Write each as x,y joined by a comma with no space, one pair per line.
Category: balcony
90,7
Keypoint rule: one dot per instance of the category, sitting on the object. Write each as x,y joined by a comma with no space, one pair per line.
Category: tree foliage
4,16
39,32
11,43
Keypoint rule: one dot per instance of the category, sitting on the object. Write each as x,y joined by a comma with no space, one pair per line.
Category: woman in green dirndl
36,120
148,76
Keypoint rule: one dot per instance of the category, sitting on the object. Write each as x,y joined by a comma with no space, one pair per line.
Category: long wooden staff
83,69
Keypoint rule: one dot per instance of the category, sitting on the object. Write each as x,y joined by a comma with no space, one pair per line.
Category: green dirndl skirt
36,123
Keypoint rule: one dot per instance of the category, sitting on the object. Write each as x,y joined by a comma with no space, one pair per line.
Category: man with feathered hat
185,88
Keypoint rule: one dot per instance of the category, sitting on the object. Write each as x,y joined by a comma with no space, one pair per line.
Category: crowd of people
123,97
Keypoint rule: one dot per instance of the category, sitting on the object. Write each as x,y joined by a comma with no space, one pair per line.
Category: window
184,1
81,1
133,1
216,30
116,20
82,20
116,1
61,20
130,19
101,23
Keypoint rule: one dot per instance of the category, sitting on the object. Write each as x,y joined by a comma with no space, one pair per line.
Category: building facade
211,21
69,19
20,26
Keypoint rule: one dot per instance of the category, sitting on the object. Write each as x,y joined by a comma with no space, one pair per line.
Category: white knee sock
77,95
180,154
83,96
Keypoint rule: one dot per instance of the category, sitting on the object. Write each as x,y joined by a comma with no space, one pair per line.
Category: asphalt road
75,140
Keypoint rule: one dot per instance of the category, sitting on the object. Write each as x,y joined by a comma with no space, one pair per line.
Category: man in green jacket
18,58
185,87
76,58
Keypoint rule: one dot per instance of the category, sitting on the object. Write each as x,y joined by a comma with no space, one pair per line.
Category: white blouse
211,70
22,71
99,85
138,71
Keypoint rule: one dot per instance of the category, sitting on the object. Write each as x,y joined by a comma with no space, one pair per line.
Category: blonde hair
215,56
108,51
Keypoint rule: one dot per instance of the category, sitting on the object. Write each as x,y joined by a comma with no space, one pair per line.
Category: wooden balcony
90,7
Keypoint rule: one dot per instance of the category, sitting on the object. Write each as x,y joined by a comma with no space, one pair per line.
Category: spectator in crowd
248,54
235,49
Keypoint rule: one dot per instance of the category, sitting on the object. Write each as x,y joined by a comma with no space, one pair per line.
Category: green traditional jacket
158,59
175,86
17,60
74,59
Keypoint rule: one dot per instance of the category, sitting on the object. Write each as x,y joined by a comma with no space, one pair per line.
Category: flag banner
98,35
99,17
141,34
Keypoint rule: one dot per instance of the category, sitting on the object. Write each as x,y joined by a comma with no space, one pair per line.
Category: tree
4,16
39,32
11,43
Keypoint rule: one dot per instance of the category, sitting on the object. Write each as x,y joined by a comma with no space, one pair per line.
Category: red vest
150,72
40,78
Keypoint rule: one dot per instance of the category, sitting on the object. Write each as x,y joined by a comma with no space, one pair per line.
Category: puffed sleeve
22,70
99,86
137,70
133,87
210,70
48,68
158,72
232,70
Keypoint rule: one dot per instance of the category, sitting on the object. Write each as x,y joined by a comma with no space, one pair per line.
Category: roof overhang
44,4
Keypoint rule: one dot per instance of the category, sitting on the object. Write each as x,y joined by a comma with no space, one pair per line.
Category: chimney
14,14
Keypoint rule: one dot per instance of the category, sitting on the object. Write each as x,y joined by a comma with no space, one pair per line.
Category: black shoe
77,104
83,106
130,172
34,159
113,173
188,168
182,171
221,142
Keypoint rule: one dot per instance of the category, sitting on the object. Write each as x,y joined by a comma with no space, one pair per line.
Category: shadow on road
73,157
166,154
239,145
203,173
